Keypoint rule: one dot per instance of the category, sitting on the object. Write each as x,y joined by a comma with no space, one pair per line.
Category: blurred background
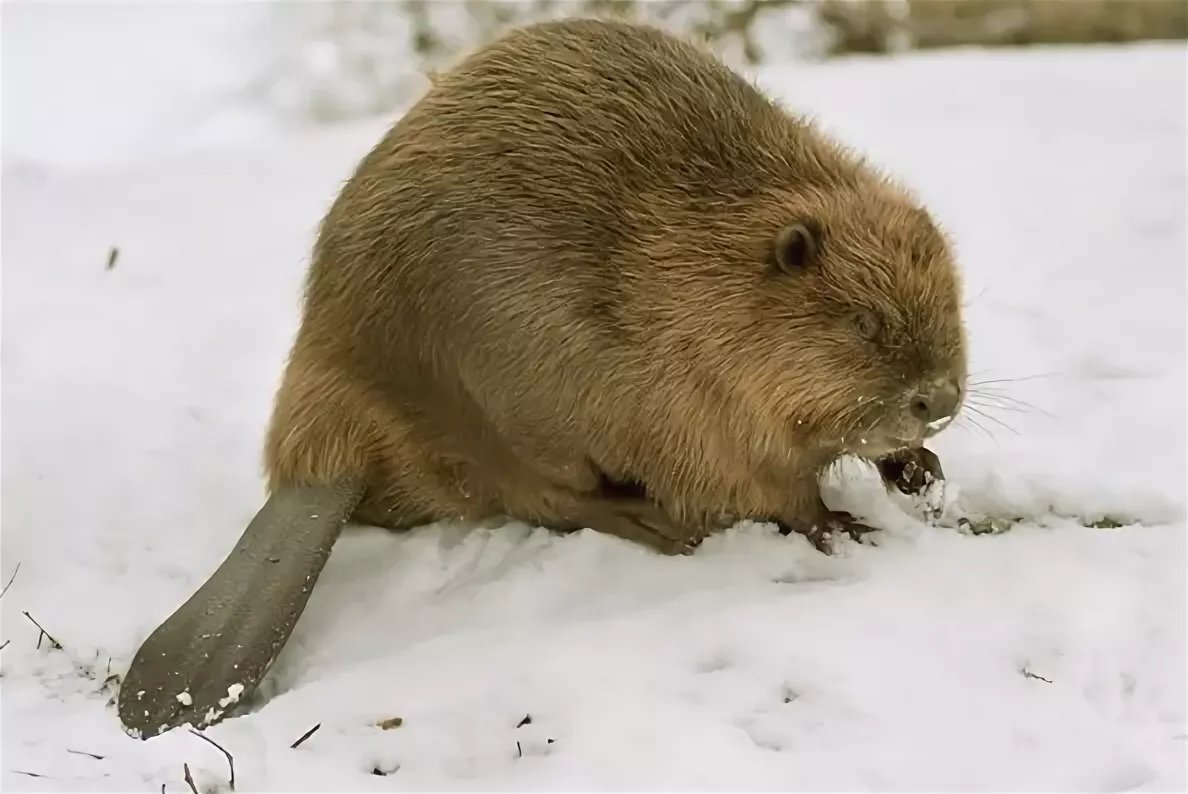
335,59
171,74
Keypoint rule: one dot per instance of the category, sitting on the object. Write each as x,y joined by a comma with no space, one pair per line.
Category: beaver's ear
796,246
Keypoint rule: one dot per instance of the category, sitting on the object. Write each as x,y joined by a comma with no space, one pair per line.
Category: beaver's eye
867,323
795,247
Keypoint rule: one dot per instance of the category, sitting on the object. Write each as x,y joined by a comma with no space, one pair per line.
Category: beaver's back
531,175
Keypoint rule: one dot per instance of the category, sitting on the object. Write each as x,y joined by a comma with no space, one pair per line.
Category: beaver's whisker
965,419
1024,379
994,419
998,403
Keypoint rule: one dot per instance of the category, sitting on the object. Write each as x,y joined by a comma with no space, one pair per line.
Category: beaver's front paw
917,473
911,471
641,521
822,530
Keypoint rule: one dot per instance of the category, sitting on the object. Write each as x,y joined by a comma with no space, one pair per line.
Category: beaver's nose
936,401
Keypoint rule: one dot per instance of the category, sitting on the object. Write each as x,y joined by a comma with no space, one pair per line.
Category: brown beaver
594,278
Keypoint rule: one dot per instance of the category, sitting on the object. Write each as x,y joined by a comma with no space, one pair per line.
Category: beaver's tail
214,650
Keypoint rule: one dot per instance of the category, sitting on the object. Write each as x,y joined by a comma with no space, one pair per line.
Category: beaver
593,278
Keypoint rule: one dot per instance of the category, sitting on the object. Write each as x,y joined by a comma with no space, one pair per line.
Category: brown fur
557,271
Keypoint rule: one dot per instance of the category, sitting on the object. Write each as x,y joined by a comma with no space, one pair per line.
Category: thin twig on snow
43,633
84,752
10,580
221,749
1028,674
189,779
305,736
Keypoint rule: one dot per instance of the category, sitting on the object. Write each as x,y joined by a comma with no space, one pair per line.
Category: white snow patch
1050,657
140,78
931,501
233,693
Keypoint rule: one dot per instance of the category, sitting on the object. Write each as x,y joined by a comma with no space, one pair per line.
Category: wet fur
555,273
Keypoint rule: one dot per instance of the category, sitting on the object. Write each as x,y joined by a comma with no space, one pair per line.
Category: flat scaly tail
215,649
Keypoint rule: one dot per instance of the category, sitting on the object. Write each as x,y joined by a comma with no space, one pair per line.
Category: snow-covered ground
1050,657
97,82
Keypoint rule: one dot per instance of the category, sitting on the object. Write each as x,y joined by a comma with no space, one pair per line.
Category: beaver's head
831,314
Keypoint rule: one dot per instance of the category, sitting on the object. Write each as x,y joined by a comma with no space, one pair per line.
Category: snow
158,78
1049,656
